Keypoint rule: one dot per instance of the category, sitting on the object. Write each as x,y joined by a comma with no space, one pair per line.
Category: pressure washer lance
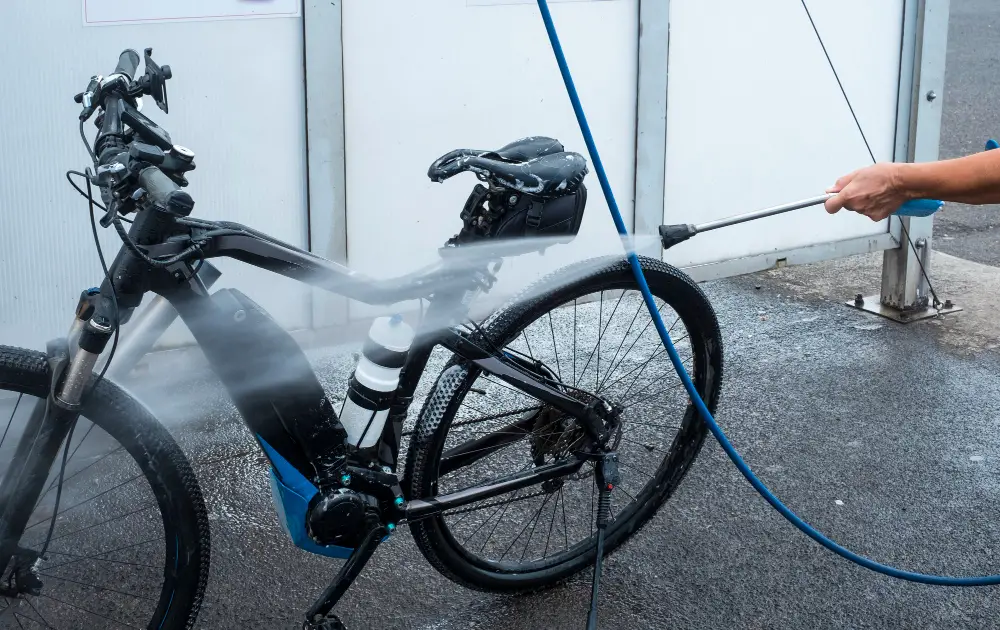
674,234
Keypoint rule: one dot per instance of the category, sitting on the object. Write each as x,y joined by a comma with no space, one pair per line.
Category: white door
755,117
236,99
423,78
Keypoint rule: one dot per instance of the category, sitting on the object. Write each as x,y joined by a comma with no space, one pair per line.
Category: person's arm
878,191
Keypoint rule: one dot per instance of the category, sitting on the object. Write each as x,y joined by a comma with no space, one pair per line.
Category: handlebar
128,63
163,193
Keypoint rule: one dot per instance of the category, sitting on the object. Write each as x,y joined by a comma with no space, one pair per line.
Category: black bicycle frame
272,383
292,390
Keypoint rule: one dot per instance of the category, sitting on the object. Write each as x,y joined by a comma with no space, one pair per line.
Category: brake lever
90,98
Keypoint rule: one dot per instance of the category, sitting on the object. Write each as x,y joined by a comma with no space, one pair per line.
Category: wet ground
883,436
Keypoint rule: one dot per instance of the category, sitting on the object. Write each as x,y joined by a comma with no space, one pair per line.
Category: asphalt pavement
883,436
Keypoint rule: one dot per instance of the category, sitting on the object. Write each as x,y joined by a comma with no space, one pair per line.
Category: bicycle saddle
536,166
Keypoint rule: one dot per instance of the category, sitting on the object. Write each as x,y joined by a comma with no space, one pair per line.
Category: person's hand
874,191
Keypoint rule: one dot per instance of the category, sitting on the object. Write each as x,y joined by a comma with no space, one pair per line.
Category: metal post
905,294
324,70
651,115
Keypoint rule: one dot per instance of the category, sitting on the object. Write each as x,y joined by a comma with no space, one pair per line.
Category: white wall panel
236,99
422,78
755,117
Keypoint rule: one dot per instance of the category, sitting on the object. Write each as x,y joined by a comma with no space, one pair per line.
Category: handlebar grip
128,63
165,195
919,208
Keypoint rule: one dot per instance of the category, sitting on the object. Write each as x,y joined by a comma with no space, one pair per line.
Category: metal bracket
873,304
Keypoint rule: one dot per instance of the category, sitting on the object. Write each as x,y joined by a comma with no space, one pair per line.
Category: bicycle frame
291,391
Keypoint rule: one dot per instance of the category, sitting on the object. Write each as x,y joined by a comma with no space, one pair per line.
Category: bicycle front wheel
589,332
129,542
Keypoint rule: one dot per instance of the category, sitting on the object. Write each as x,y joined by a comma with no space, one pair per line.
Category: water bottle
375,379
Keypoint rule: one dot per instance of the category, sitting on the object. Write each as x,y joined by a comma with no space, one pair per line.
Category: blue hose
713,426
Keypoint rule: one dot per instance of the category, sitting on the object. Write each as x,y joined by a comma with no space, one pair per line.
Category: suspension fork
48,426
49,423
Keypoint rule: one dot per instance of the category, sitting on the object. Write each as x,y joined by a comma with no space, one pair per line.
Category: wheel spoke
487,520
633,468
600,338
525,335
653,395
40,616
94,586
11,421
645,446
641,335
565,530
552,330
449,466
110,520
636,378
84,502
622,343
634,371
552,522
574,341
86,610
87,467
97,555
499,520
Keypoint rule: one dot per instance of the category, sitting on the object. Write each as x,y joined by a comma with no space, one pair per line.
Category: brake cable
695,396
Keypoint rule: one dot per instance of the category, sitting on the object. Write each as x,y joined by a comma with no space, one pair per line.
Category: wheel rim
105,562
604,344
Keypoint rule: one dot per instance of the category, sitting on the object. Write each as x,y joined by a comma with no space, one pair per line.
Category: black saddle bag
499,213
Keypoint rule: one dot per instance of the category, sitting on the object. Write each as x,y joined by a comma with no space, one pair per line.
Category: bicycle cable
695,396
114,346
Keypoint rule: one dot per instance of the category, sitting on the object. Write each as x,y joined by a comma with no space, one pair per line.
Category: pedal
25,574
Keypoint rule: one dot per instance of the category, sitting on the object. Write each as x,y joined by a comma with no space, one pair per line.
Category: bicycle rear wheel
130,542
592,334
